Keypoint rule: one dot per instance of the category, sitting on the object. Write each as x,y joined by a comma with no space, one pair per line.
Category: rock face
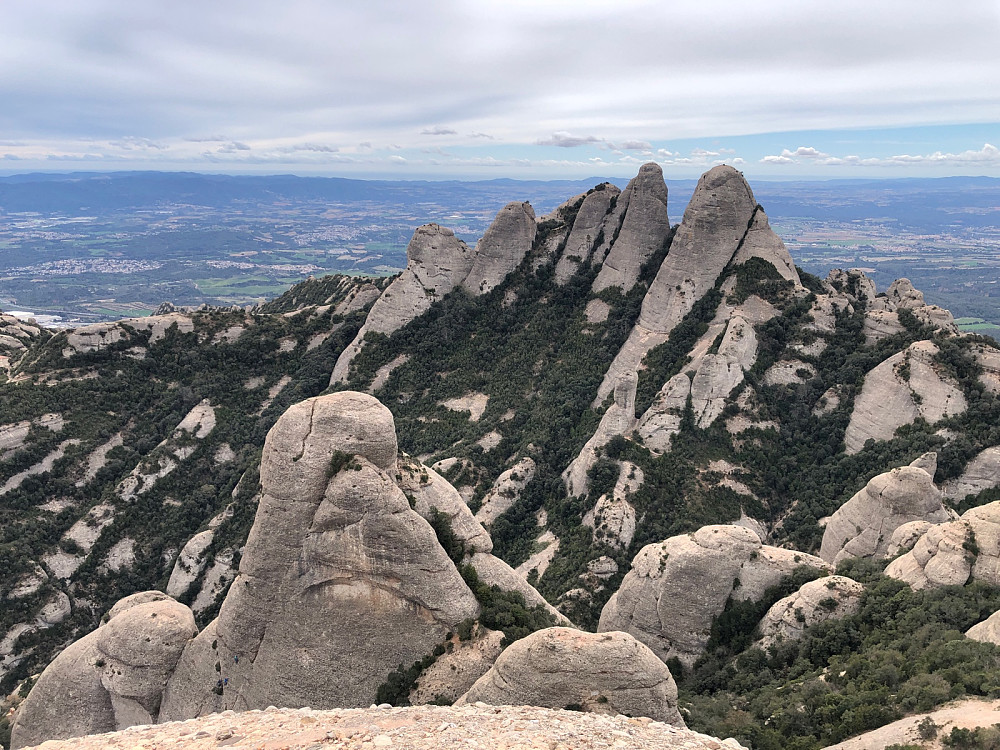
864,525
676,587
953,553
588,228
436,263
643,230
502,248
761,242
987,631
905,386
981,473
617,420
190,562
102,335
506,491
609,673
334,545
110,679
714,223
817,601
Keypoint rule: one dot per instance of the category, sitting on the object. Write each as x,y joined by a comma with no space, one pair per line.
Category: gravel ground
419,728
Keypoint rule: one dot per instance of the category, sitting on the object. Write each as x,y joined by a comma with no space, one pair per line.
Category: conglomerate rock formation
675,588
864,525
340,581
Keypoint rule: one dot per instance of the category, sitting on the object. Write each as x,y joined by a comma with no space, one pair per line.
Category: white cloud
562,139
988,155
633,146
438,130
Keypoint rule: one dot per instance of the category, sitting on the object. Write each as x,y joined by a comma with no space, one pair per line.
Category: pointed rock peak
927,462
761,242
643,231
726,180
502,247
589,229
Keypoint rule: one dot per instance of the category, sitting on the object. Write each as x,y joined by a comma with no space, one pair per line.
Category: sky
480,89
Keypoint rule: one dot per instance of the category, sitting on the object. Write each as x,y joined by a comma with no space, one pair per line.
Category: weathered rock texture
334,547
610,673
676,587
953,553
643,230
987,631
905,386
102,335
864,525
588,228
981,473
505,491
414,728
817,601
715,222
502,248
617,420
110,679
436,263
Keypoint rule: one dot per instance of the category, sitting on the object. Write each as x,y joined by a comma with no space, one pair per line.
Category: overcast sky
512,88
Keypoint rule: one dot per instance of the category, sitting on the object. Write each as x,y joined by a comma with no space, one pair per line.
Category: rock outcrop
677,587
950,554
112,678
864,525
588,229
714,223
987,631
610,673
617,420
981,473
761,242
643,231
505,491
817,601
905,386
437,262
502,248
339,575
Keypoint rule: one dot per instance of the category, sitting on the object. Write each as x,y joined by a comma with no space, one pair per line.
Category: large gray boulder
436,263
112,678
502,248
587,230
339,577
953,553
610,673
864,525
677,587
716,220
643,230
907,385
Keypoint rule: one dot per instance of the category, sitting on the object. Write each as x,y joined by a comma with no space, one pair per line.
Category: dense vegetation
903,652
